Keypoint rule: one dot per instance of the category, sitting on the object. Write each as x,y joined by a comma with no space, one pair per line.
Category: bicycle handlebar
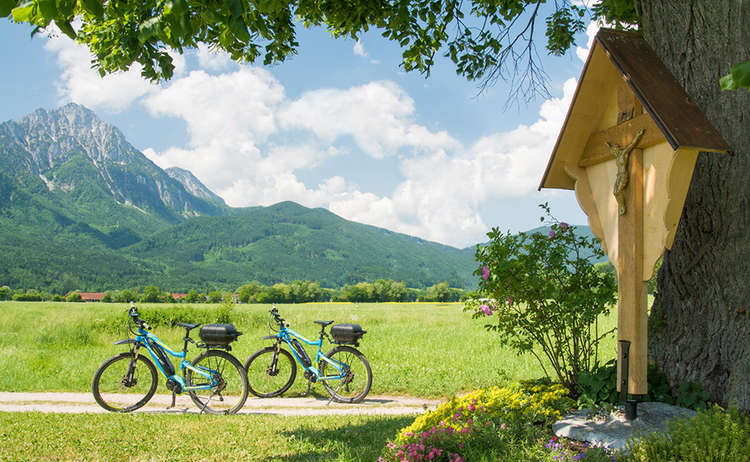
276,316
133,313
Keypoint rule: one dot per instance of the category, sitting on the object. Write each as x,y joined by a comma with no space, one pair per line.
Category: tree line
382,290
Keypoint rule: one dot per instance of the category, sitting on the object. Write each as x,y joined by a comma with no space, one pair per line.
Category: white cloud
81,84
378,115
591,30
359,49
441,196
215,60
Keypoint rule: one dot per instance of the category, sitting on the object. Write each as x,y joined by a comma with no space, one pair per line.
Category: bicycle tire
352,389
229,383
113,393
260,378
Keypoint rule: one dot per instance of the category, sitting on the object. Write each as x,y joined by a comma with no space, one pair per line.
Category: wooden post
632,289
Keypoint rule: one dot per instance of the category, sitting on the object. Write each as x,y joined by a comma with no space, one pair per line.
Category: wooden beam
596,150
632,316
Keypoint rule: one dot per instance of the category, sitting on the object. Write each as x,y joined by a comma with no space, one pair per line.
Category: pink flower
551,233
485,272
486,310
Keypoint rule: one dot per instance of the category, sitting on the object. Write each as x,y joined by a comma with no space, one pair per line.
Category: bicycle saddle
323,323
188,326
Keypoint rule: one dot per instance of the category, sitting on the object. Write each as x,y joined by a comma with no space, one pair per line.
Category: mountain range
81,208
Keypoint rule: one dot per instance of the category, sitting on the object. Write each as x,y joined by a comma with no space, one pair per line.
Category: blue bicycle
344,371
215,380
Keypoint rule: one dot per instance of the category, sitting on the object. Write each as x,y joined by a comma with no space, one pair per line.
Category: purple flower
485,272
486,310
551,233
564,226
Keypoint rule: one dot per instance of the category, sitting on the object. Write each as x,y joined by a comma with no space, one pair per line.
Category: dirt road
313,405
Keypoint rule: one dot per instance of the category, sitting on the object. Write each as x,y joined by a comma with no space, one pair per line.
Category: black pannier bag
347,333
219,334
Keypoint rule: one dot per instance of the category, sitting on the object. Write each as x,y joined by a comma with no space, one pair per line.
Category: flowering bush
565,451
484,420
544,296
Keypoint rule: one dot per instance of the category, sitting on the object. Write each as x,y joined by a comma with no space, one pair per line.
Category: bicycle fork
128,379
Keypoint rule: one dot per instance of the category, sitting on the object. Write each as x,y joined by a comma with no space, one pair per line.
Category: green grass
125,437
427,350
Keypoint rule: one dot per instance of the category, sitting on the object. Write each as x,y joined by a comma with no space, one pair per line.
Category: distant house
179,297
92,296
235,298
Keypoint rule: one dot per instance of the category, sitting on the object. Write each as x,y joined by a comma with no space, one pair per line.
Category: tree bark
699,328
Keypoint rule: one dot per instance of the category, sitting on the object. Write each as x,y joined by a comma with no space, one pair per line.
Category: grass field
123,437
425,350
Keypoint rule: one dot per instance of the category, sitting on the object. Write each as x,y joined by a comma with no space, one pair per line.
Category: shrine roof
617,55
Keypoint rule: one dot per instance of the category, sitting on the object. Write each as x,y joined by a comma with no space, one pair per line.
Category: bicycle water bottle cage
301,352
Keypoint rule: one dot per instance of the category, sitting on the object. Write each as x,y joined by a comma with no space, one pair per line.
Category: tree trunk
699,328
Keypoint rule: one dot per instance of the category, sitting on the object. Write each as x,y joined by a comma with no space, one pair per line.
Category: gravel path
76,403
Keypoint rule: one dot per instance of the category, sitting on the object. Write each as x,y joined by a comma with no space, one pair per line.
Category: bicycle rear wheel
124,385
356,377
226,378
270,374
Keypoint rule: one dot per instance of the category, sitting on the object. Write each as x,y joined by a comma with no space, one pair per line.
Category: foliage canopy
485,39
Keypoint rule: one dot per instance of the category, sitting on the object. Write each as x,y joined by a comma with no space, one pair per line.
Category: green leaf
148,29
23,13
93,7
727,83
66,28
739,77
741,74
47,8
6,6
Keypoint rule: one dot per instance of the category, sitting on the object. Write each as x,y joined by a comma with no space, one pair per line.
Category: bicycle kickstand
174,398
334,392
309,383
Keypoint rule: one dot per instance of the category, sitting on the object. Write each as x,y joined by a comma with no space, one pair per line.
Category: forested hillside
81,209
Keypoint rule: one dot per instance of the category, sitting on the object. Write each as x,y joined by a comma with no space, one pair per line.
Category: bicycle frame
286,334
144,338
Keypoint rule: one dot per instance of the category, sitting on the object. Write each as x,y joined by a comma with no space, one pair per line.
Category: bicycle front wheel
269,373
356,377
124,383
223,379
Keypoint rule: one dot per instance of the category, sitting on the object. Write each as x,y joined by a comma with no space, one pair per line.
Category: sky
338,126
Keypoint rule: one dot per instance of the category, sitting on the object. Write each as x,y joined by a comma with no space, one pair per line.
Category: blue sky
338,126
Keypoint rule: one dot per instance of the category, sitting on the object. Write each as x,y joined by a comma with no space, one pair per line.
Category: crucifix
628,148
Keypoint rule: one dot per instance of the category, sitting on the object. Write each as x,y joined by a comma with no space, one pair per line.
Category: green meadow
425,350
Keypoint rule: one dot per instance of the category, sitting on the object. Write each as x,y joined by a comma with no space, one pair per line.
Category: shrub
29,296
5,293
599,387
712,435
73,297
544,293
525,403
486,424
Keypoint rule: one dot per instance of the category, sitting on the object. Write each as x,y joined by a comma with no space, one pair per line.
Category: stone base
614,430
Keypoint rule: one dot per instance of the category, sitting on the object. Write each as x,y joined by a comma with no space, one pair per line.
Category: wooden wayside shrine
628,148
